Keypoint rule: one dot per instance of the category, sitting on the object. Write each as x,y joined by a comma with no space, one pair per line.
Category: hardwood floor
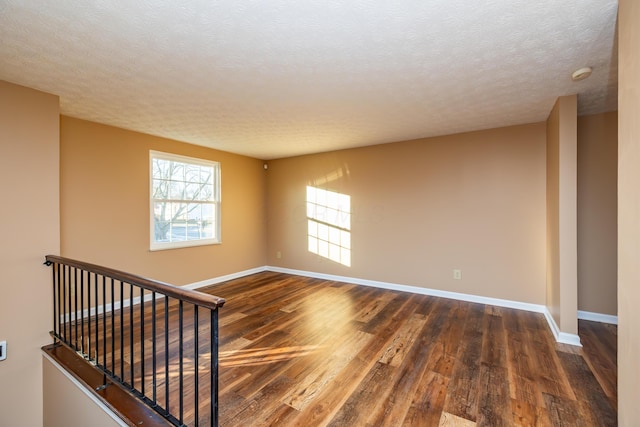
307,352
297,351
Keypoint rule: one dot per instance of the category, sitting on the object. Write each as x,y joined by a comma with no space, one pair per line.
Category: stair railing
158,341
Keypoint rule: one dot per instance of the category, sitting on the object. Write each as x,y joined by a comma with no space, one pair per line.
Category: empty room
307,213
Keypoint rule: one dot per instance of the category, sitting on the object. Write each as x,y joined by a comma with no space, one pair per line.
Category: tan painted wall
29,226
67,405
562,253
598,213
629,213
473,201
105,205
553,217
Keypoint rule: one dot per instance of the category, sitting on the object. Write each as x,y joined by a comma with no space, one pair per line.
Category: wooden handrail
198,298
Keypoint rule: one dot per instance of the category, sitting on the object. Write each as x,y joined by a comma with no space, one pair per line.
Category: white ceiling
279,78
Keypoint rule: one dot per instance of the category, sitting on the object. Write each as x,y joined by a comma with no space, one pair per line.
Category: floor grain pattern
297,351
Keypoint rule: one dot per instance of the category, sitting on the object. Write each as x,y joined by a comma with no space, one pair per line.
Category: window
329,225
185,201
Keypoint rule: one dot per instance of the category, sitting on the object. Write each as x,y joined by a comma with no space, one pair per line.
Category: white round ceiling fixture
581,74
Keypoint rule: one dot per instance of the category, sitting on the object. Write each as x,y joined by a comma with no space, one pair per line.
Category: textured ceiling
280,78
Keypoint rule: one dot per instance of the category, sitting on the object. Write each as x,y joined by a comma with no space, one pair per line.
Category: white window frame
215,201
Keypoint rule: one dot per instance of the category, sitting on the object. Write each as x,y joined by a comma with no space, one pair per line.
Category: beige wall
29,227
597,213
629,213
105,205
67,405
473,201
553,217
562,256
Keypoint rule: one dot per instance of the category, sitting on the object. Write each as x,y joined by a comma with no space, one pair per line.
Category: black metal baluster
75,308
104,322
60,301
64,304
180,362
83,348
153,345
142,379
89,315
122,331
97,306
131,353
113,328
195,365
69,336
166,351
214,367
56,295
69,306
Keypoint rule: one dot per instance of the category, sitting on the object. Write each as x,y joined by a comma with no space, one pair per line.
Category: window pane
206,192
208,210
194,212
160,168
162,231
192,174
178,232
162,211
178,212
192,191
176,190
183,201
177,171
208,229
193,232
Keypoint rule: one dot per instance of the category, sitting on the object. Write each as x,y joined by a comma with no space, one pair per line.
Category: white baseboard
225,278
561,337
598,317
417,290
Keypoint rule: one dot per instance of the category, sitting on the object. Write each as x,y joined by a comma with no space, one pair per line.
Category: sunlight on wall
329,225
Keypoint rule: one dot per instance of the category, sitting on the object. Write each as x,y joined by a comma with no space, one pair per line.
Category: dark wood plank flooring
297,351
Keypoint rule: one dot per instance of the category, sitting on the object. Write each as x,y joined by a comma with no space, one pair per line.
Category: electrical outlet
457,274
278,254
3,350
